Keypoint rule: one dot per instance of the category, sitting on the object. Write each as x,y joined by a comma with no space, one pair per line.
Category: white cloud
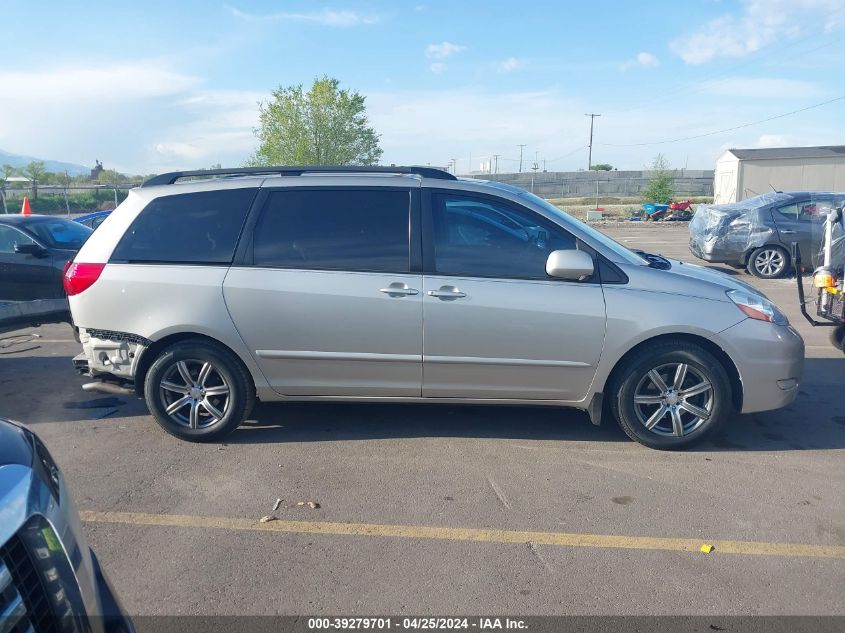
760,88
443,50
642,60
762,23
771,140
137,117
437,67
455,123
326,17
510,64
93,84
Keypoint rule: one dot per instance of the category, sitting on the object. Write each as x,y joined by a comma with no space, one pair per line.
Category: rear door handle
399,289
786,232
446,292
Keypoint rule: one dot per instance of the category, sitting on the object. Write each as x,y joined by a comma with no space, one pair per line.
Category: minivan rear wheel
671,395
768,262
198,391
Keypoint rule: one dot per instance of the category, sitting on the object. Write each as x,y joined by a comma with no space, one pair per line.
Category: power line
729,129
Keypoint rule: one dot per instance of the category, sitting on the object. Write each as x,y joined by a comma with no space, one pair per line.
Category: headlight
757,307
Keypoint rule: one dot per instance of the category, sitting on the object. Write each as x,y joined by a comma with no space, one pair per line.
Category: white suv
407,284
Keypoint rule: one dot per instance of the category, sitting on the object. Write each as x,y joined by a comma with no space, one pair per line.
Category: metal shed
745,173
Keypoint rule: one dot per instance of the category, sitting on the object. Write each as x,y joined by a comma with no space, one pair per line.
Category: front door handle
399,289
786,232
446,292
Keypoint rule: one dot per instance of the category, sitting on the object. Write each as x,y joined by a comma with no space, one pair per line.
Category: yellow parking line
561,539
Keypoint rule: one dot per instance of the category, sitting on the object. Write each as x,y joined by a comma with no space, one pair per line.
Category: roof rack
171,177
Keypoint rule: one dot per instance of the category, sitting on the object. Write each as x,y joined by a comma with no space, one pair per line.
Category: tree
36,173
326,125
659,187
602,167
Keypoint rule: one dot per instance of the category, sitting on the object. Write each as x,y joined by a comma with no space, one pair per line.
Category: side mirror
571,265
30,249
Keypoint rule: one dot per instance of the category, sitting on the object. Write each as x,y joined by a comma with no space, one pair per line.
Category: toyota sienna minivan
207,290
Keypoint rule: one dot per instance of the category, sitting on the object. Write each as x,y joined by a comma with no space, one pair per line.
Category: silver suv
409,285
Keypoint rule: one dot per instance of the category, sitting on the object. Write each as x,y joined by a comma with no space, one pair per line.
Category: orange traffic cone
26,209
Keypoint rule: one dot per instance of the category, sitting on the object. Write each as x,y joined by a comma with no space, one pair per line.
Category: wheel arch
747,255
703,342
152,352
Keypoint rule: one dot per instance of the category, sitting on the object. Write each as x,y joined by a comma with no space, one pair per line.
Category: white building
745,173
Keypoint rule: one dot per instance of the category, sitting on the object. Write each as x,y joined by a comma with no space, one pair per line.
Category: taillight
80,277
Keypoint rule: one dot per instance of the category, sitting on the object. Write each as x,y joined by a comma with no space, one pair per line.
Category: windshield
630,256
60,233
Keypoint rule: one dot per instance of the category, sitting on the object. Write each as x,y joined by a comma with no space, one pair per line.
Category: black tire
226,372
837,337
768,262
633,377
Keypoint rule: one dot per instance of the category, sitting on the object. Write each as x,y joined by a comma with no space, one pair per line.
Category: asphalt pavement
440,509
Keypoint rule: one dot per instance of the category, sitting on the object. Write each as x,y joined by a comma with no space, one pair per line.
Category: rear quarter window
190,228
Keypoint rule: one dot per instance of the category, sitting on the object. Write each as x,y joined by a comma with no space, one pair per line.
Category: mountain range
17,160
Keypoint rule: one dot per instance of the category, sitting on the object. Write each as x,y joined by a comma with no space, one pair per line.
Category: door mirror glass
570,265
29,249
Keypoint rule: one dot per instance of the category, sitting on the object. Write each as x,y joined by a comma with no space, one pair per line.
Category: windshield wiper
655,261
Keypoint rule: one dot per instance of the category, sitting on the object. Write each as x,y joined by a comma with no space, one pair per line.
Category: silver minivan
206,290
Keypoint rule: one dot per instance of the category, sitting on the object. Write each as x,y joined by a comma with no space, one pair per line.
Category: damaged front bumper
108,354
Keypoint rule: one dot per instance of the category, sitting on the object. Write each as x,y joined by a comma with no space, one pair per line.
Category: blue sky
149,86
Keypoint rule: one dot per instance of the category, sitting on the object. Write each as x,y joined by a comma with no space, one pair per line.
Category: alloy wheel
194,393
770,262
673,400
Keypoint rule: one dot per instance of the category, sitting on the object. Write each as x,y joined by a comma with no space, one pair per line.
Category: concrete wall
582,184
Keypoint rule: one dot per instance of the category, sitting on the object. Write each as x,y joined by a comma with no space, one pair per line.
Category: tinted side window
191,228
10,237
334,230
482,238
799,210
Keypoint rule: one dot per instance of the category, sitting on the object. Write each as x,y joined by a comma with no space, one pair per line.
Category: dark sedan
33,252
758,233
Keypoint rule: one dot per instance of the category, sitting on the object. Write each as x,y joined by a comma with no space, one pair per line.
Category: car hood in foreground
687,279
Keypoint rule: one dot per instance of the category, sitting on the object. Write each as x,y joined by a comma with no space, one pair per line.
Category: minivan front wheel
671,396
768,262
197,391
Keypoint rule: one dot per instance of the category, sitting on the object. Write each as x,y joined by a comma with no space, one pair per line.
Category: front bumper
770,360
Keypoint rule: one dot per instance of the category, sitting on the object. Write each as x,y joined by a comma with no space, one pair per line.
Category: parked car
49,578
34,250
758,233
410,285
93,220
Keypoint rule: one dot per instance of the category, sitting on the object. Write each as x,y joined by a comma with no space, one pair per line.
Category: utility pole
496,163
590,157
521,147
536,164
